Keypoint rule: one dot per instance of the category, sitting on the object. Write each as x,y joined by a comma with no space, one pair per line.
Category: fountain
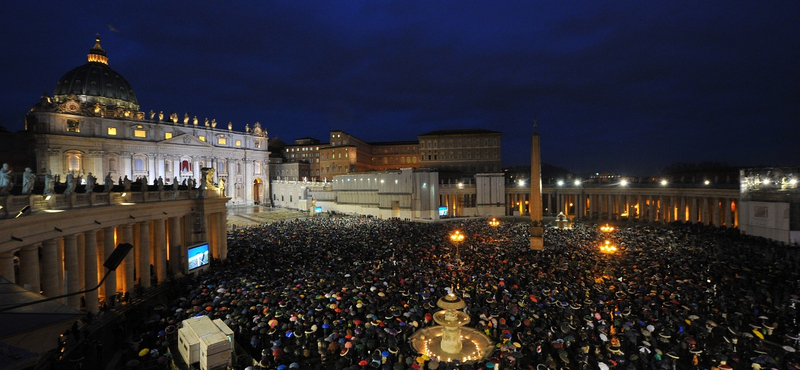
451,340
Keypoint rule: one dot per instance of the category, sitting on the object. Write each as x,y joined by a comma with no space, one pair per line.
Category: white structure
405,193
92,124
770,204
207,342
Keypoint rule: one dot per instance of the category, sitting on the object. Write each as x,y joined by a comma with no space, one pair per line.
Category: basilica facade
92,126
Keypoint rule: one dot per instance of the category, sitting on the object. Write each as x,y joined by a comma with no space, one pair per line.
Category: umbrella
144,352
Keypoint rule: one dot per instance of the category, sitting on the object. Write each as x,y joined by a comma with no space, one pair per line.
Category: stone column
126,165
640,208
50,268
651,208
129,263
29,268
144,255
682,209
726,208
7,267
211,234
693,209
628,206
111,280
72,271
62,286
715,212
90,274
81,261
223,235
159,240
175,246
704,218
601,204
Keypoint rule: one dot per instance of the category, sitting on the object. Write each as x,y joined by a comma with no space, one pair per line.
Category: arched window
112,165
138,164
74,161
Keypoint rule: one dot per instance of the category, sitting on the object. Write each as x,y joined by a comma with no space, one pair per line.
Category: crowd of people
347,293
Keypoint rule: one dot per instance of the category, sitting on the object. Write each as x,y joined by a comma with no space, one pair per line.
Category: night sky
626,86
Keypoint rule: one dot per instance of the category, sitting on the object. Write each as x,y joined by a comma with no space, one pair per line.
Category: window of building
222,141
73,125
138,164
238,143
112,165
139,133
258,168
202,138
167,135
112,131
73,161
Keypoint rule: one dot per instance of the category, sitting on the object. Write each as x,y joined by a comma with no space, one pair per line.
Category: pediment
184,140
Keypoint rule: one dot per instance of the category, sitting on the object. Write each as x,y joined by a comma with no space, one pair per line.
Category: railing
12,205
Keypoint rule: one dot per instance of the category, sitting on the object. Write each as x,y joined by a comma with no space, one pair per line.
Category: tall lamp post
457,237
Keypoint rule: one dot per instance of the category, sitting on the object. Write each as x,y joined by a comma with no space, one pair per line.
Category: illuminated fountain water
451,340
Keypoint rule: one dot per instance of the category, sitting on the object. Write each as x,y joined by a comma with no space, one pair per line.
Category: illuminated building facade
466,150
92,125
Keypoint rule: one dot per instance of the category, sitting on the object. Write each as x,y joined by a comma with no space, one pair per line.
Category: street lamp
606,228
494,222
607,247
457,237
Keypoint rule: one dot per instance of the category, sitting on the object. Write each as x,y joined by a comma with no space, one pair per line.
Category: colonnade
717,207
74,262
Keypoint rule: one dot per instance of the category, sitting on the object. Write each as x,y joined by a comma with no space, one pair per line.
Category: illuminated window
167,135
202,138
221,141
73,161
112,131
139,133
238,143
73,125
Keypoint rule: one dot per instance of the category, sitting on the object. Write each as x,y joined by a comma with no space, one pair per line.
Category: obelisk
535,202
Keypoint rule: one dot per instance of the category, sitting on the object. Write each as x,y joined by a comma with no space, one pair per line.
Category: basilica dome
96,83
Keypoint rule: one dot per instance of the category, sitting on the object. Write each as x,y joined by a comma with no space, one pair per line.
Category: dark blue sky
623,86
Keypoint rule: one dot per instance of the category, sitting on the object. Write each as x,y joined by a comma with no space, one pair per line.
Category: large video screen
198,256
